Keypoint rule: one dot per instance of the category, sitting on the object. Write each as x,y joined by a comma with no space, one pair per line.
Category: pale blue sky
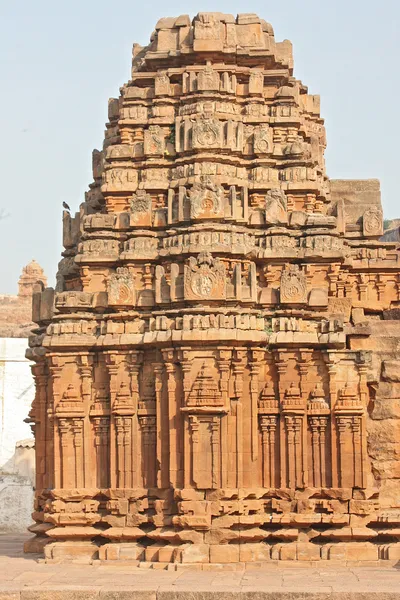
60,61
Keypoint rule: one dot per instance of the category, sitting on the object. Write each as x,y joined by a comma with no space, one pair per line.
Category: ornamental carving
162,85
121,288
141,208
154,141
261,140
216,377
205,278
206,200
276,207
208,79
206,133
373,222
293,286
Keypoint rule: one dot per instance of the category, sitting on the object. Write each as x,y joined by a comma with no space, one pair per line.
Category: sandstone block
224,553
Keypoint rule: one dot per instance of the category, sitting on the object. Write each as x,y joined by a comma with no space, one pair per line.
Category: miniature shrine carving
215,373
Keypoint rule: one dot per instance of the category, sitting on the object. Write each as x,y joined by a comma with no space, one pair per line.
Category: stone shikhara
215,371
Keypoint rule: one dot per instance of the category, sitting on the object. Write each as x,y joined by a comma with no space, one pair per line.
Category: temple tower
203,375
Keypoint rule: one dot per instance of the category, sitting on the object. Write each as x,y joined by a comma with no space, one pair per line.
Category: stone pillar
239,364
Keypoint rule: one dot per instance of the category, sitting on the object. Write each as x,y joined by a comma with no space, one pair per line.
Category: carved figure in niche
206,200
206,132
141,208
207,26
276,207
293,286
162,85
373,221
154,141
205,278
261,140
208,79
256,82
121,288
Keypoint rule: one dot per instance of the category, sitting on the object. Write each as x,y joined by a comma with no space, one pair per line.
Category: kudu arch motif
204,380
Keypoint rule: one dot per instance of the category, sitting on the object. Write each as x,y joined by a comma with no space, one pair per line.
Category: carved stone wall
207,380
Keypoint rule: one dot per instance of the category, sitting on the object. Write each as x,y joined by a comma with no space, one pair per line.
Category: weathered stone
215,360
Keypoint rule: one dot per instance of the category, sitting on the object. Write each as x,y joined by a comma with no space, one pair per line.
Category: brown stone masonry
216,371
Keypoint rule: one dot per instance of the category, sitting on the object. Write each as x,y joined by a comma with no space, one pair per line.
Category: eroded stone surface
215,380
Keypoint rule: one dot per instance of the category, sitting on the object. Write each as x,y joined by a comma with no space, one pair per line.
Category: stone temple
216,370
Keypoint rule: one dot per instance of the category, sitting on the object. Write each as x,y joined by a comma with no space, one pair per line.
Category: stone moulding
215,382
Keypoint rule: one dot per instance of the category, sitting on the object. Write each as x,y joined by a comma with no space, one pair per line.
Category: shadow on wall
16,488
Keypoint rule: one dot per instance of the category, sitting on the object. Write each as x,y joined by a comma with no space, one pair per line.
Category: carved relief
121,288
162,84
205,278
373,222
206,200
261,140
293,288
206,133
120,180
276,207
208,79
154,141
218,345
141,206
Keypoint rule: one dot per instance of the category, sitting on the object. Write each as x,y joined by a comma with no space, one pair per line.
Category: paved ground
23,577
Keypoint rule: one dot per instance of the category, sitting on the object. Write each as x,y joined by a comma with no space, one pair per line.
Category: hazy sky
60,61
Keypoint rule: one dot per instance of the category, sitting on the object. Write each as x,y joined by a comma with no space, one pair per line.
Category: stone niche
216,372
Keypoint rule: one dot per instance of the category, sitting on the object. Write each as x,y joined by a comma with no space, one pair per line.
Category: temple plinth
211,366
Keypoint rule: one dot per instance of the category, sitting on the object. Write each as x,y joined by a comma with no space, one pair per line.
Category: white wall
17,391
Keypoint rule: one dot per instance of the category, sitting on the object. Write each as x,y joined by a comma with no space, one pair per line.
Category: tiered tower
202,390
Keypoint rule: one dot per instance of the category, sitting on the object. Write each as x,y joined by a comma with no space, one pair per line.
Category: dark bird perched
65,205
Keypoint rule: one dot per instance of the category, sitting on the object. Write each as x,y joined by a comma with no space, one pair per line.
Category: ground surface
22,577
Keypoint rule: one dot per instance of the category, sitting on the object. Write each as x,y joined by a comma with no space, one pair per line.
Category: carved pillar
148,429
169,463
304,364
85,365
363,364
318,425
331,360
224,366
240,356
268,428
257,356
77,432
64,427
215,453
135,360
158,376
112,363
280,361
56,367
186,367
122,411
345,475
195,458
41,426
101,426
350,424
119,454
363,280
293,411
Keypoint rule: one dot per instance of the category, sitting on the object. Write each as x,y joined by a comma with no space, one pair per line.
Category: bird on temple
65,205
